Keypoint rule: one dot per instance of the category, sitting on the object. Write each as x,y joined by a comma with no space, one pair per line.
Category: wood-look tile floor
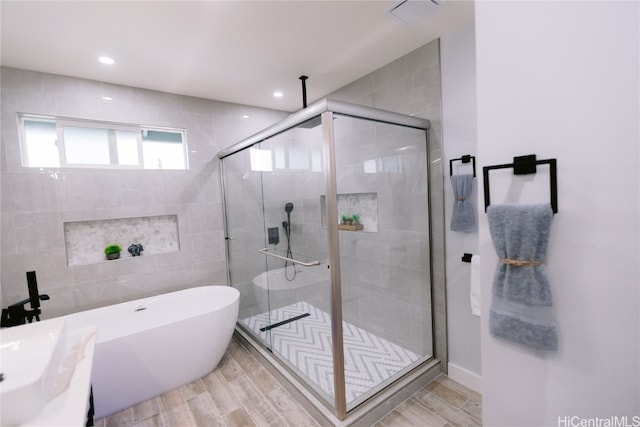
241,393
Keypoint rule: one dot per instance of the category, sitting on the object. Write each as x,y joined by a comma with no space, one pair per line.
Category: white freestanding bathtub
149,346
276,280
310,284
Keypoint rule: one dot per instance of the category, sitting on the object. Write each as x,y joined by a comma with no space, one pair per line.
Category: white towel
474,291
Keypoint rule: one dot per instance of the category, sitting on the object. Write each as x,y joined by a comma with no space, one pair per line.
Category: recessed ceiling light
244,116
107,98
106,60
278,94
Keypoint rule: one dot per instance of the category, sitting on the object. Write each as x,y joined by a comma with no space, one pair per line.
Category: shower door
382,178
277,247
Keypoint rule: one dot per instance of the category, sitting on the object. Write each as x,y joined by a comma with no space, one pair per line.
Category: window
55,142
298,158
163,149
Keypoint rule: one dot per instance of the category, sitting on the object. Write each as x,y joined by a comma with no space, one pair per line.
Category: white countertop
68,402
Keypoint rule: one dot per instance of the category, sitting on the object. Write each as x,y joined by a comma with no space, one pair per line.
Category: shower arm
265,251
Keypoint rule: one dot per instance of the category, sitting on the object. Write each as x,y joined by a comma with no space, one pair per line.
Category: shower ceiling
235,51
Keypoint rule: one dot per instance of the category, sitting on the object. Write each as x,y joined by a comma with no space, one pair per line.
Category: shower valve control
274,235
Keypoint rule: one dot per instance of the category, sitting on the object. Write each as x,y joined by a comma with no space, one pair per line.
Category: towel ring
523,165
464,159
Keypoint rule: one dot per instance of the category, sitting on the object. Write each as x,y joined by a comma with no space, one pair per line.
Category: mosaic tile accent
363,204
85,240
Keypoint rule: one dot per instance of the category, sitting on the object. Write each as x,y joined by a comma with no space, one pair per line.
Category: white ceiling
234,51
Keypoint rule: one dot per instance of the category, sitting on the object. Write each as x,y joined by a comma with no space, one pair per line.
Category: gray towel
521,305
463,218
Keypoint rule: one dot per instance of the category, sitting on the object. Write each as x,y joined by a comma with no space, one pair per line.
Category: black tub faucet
17,314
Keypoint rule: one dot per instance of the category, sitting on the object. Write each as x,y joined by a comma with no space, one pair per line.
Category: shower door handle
265,251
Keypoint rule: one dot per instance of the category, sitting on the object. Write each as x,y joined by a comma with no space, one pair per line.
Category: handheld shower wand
288,208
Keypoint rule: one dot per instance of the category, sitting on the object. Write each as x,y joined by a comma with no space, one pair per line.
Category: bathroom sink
26,354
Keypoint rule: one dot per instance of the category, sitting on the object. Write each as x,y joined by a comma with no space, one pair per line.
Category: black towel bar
523,165
464,159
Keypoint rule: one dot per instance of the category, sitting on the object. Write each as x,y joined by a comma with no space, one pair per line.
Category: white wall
457,56
560,79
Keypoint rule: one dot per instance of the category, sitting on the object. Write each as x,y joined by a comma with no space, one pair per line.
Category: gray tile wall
36,203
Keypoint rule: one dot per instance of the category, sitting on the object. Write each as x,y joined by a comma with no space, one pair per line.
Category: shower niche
345,317
365,205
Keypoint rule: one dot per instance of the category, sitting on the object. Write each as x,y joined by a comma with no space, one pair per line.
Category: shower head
288,207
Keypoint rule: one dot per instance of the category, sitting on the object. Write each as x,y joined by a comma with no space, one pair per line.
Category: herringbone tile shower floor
306,344
241,393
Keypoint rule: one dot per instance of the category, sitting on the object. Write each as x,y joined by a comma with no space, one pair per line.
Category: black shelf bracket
466,257
464,159
523,165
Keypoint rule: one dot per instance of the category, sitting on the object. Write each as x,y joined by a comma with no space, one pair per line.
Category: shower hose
287,232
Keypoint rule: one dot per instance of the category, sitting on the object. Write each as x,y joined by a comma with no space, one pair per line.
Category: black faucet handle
32,284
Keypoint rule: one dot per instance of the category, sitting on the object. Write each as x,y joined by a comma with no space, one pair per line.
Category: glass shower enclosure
328,241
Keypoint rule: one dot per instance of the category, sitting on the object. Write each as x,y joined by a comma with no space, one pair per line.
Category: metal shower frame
325,109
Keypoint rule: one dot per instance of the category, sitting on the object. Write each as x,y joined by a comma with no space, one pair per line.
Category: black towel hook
523,165
464,159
